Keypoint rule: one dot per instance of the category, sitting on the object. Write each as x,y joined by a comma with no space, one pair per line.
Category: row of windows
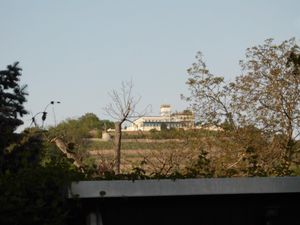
183,119
155,121
152,124
147,124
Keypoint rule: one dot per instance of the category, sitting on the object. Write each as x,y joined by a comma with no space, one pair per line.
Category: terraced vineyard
163,156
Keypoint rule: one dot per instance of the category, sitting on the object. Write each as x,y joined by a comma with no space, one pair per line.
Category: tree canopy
265,95
32,190
263,103
210,95
74,130
12,98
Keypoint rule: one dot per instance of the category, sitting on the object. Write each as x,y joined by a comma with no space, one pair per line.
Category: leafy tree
267,94
32,190
70,138
90,121
75,130
265,97
26,152
38,196
202,167
12,97
210,95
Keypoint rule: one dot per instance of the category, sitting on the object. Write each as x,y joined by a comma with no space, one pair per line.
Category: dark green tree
33,191
26,152
12,98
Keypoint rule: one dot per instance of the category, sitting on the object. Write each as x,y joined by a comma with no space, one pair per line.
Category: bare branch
62,146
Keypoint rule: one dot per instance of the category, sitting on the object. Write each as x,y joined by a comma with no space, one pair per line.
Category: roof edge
184,187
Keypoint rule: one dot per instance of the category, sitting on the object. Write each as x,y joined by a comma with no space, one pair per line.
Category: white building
185,120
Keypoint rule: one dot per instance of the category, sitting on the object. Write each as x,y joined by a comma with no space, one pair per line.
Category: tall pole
44,114
54,116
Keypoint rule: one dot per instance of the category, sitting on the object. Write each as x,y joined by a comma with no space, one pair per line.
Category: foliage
265,98
25,152
267,95
202,167
12,97
75,130
33,190
74,135
134,135
37,196
33,185
173,133
163,127
210,96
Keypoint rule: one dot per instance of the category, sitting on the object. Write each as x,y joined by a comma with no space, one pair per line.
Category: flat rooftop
184,187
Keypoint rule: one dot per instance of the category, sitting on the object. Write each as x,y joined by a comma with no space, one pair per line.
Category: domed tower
165,110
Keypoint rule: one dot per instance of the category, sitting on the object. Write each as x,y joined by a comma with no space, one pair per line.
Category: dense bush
34,181
86,126
37,196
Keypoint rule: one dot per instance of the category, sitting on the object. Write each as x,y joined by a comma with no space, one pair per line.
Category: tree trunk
118,136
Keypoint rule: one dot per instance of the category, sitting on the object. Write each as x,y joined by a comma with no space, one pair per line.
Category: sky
76,51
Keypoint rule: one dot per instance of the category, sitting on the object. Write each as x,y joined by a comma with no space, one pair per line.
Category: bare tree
121,109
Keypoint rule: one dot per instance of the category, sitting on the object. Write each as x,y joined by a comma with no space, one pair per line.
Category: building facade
167,119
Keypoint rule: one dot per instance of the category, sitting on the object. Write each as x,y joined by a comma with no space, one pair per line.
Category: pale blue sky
77,51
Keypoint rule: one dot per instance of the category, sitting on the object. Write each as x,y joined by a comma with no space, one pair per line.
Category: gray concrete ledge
184,187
